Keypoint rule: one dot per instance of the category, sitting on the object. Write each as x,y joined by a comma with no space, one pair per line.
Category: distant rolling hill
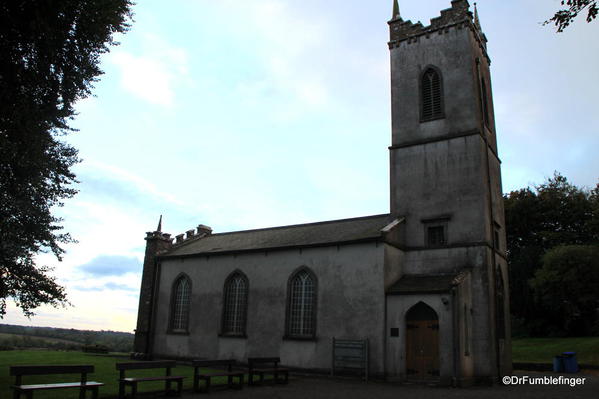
38,338
62,338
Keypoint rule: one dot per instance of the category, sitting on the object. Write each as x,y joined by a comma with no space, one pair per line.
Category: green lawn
105,372
542,350
535,350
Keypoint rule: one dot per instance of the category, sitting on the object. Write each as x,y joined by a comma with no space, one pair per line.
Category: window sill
299,338
239,336
434,118
437,246
175,332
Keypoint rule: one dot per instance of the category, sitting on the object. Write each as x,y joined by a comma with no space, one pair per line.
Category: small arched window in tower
485,102
431,95
180,304
235,304
301,311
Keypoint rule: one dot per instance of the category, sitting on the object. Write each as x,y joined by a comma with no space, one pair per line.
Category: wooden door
422,344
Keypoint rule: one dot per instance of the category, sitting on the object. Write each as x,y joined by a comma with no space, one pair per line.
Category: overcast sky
246,114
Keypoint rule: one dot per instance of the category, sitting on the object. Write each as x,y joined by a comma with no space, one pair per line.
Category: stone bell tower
157,242
445,170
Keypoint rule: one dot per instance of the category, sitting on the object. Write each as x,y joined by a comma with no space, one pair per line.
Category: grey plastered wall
445,178
451,52
444,260
350,303
464,310
483,318
397,307
394,260
505,345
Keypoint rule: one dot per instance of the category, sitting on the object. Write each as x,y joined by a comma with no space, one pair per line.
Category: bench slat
220,374
56,386
264,360
208,363
146,365
163,378
280,370
51,369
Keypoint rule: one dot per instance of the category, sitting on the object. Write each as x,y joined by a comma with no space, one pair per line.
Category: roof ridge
297,225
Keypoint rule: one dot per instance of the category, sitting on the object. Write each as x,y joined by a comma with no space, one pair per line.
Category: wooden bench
229,373
133,381
273,368
84,385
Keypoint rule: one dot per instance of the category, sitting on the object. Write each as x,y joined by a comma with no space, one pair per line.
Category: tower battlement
458,16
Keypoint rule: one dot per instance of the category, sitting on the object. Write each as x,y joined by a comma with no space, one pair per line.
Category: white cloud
144,186
154,74
286,44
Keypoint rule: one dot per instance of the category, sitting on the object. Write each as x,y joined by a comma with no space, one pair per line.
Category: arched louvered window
301,311
235,304
431,95
180,304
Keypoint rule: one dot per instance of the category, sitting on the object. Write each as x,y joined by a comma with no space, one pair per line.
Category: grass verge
542,350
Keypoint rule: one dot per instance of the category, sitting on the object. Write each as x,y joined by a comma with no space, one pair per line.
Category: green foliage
552,214
49,59
567,284
565,17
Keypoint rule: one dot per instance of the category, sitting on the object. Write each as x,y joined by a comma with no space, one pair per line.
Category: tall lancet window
180,304
431,96
301,310
485,102
235,304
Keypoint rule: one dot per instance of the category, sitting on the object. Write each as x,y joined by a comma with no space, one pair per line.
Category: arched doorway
422,343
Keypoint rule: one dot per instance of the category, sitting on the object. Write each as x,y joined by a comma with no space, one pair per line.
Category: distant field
542,350
36,338
105,372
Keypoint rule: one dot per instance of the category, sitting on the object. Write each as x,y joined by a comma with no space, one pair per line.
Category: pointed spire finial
396,13
476,20
159,228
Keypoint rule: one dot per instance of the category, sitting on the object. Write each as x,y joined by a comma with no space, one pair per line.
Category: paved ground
325,388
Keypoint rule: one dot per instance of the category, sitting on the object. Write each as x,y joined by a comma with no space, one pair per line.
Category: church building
426,284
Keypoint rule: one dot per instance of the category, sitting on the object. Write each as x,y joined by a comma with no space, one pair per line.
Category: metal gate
350,356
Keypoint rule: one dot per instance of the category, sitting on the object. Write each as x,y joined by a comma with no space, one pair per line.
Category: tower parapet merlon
199,232
158,235
458,15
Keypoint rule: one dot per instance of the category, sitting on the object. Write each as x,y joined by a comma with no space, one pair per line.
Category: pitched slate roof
295,236
415,284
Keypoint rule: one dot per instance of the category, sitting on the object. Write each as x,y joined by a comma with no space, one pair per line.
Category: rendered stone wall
350,304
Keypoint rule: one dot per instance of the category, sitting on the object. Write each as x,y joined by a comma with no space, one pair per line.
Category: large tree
49,59
563,18
566,285
537,220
